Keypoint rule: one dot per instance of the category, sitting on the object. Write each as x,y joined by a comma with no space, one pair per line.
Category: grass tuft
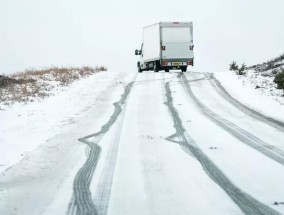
36,84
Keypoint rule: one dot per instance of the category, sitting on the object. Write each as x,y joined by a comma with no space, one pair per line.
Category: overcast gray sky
41,33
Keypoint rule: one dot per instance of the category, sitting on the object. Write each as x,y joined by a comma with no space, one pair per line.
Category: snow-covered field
149,143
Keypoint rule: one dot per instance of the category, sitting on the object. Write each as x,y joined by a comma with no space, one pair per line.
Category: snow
24,127
270,102
153,175
241,163
40,154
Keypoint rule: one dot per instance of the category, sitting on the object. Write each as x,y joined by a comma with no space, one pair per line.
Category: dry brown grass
35,84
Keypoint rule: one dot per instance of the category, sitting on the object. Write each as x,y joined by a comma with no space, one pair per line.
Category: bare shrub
279,80
35,84
101,68
271,64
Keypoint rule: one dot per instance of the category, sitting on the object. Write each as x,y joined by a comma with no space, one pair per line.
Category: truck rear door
176,43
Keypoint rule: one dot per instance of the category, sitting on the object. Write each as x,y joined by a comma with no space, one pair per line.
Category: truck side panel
152,44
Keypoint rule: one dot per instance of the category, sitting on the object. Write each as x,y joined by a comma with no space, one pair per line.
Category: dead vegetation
275,65
34,84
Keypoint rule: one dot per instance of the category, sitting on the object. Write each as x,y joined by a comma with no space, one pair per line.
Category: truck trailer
166,46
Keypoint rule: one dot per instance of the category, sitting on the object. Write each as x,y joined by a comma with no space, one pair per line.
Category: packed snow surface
144,143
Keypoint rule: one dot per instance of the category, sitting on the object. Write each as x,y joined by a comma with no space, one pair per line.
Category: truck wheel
167,70
139,67
183,69
156,67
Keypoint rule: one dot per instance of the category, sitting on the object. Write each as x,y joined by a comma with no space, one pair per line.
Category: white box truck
166,46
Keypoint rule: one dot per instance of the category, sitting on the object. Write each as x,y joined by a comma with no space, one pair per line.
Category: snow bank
267,99
23,127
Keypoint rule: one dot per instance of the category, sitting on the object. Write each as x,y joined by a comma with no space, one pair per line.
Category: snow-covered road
147,143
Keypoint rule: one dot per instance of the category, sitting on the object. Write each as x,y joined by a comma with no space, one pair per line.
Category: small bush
279,80
234,66
239,71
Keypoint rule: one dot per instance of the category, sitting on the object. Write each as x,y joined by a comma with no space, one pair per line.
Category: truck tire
184,68
139,67
167,70
156,66
147,67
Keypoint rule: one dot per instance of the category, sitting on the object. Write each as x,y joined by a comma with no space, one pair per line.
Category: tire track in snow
82,203
245,109
248,204
103,191
244,136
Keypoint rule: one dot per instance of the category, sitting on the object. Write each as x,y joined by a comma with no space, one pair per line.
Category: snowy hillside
260,77
256,87
24,126
37,84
